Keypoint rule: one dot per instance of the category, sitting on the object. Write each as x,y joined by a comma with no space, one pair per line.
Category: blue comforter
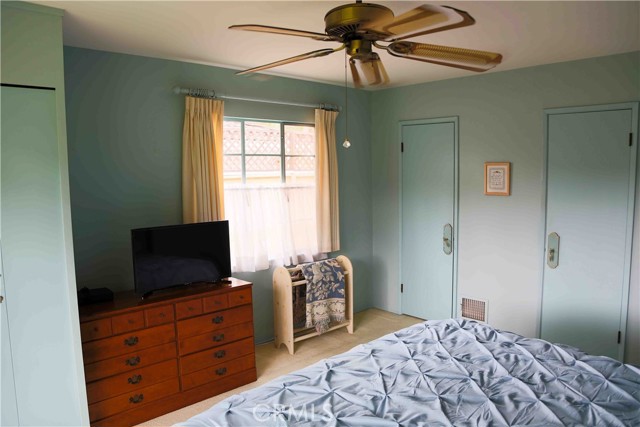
443,373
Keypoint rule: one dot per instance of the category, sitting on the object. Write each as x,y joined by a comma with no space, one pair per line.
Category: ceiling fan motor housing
352,20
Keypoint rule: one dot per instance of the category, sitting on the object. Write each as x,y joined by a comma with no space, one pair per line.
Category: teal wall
500,238
125,137
125,124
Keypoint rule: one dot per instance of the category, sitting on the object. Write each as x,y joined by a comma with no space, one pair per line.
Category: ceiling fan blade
284,31
467,59
371,68
308,55
357,81
427,18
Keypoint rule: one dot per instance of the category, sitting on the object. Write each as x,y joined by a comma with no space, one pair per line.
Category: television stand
145,358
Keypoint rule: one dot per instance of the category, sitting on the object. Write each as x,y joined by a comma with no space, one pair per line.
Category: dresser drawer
127,343
215,303
197,361
240,297
159,315
131,381
219,371
127,322
127,362
133,400
188,308
215,321
215,338
95,329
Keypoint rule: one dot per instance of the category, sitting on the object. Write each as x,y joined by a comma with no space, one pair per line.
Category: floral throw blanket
325,293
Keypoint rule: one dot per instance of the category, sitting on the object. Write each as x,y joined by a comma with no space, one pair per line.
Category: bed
442,373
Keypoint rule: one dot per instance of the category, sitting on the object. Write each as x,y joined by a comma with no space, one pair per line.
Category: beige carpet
271,362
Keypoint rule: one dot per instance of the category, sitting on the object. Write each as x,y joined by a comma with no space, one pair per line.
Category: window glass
232,169
232,137
263,170
262,138
269,193
299,140
300,170
253,153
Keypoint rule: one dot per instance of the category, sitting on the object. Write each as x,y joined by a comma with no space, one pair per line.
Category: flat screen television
179,255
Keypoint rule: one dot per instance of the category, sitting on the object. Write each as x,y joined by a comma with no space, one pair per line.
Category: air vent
474,309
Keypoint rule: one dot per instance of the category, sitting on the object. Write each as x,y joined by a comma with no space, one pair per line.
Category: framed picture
497,178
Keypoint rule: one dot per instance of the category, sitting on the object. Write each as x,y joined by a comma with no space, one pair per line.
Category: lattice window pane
262,138
232,169
299,140
232,137
300,170
263,169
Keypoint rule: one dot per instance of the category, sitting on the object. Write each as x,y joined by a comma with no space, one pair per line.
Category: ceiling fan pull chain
346,143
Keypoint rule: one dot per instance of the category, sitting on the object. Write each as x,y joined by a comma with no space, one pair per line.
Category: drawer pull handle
219,354
218,338
132,361
221,371
218,319
131,341
135,379
136,398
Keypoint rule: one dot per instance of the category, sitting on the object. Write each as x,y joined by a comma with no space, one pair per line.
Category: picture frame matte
497,178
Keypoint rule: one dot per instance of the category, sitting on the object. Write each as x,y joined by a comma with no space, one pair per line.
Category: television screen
177,255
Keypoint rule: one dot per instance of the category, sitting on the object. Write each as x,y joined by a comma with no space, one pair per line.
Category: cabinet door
40,319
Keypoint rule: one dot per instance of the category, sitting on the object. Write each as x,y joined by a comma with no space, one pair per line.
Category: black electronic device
178,255
92,296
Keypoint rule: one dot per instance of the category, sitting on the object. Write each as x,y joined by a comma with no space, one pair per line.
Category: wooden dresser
145,358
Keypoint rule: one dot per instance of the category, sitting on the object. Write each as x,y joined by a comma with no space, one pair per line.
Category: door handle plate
553,250
447,239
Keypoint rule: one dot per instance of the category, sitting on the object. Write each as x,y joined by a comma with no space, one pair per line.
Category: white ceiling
525,33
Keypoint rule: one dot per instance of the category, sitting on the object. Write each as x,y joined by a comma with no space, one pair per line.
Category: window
269,180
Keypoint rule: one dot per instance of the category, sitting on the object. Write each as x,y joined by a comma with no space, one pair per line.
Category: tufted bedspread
442,373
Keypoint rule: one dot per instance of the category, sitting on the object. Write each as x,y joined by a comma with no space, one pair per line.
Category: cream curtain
327,208
202,181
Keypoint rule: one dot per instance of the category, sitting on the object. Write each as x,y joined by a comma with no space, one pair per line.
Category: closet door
591,170
34,256
428,217
8,404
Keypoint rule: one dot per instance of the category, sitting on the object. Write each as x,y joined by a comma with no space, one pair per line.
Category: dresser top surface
129,301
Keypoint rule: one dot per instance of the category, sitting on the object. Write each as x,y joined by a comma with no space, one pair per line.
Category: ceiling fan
360,27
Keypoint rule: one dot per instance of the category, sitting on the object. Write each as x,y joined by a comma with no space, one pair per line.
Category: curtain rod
210,93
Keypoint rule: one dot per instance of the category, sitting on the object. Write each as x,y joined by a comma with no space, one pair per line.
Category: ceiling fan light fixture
371,67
